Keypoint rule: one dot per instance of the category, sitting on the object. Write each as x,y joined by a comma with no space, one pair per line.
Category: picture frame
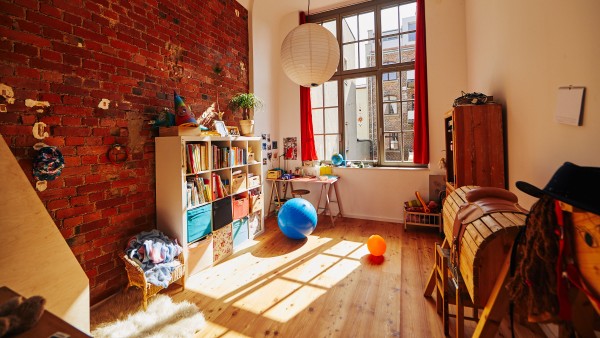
221,128
233,131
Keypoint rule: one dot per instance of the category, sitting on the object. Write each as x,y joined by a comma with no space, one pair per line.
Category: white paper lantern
310,55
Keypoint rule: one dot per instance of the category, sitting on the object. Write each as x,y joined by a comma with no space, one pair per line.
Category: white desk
326,189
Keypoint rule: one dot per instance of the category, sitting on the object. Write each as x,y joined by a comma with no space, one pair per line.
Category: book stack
219,188
197,157
198,191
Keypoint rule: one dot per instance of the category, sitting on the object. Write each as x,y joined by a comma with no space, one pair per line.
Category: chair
136,277
450,290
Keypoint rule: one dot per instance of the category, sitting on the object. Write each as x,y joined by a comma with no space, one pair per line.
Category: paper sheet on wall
569,105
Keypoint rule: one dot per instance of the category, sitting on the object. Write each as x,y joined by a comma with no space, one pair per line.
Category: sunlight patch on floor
294,303
216,330
311,268
336,273
343,248
267,296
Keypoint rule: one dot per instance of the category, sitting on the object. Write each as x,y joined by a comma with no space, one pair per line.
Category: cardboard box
238,183
240,207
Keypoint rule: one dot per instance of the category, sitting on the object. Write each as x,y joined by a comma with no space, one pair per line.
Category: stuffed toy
19,314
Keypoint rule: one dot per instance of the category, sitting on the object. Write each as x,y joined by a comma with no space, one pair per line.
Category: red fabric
307,137
421,151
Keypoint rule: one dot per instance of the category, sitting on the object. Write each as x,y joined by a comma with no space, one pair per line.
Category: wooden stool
449,291
300,192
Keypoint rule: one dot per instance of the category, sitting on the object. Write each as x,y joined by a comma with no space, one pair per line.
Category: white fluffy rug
162,319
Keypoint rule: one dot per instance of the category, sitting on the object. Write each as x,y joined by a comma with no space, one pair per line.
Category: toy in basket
417,212
153,262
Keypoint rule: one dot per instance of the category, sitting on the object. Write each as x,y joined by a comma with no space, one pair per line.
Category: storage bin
238,183
198,222
240,207
256,203
240,231
221,213
222,243
254,224
200,255
253,181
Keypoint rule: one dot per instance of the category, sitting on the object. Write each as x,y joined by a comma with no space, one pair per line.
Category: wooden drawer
253,181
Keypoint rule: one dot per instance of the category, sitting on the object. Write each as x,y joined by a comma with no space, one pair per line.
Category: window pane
331,146
392,123
391,84
320,147
408,115
330,26
349,29
408,13
389,51
389,20
316,96
331,121
331,94
350,52
317,118
367,55
407,146
360,118
366,25
407,49
393,153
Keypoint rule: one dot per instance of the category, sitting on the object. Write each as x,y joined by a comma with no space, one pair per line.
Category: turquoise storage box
198,222
240,231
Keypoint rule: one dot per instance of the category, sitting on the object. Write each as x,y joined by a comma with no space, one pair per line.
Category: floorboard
325,286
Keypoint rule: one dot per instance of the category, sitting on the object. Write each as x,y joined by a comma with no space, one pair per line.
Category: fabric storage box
200,255
198,222
221,213
240,207
253,181
222,242
238,183
240,231
254,224
256,203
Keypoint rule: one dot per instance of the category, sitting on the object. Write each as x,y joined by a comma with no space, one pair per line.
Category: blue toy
297,218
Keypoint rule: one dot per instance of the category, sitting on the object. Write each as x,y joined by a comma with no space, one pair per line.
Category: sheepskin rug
163,318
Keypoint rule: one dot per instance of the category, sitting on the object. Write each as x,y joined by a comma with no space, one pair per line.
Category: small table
48,323
326,187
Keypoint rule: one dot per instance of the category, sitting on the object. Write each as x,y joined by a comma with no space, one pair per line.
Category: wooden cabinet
200,182
474,137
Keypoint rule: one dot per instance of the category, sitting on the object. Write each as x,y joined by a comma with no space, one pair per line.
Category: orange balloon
376,245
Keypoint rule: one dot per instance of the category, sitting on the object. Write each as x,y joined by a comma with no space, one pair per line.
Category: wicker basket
136,277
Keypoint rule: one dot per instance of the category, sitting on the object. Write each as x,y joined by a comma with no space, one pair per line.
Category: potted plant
247,102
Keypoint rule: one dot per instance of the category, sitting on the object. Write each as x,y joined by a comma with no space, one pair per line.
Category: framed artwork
221,128
233,131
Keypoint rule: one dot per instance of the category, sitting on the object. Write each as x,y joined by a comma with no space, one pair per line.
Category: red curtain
307,137
421,151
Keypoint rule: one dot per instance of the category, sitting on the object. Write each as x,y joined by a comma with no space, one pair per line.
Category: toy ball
376,245
297,218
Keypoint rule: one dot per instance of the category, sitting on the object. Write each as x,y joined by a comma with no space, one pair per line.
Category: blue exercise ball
297,218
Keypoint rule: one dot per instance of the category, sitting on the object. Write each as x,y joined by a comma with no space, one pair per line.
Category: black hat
572,184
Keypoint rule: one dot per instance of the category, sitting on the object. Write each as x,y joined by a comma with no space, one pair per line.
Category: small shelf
422,219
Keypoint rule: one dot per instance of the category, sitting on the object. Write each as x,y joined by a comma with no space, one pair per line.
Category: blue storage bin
198,222
240,231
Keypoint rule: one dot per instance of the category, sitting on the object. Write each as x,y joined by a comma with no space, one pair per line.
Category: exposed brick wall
73,54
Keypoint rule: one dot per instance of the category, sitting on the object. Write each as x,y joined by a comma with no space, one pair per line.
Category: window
372,92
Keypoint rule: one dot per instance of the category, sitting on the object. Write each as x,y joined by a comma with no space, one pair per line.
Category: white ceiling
316,6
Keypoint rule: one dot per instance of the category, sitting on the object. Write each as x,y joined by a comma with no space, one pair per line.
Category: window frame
378,70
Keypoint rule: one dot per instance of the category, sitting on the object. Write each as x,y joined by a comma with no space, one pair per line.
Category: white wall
386,189
521,52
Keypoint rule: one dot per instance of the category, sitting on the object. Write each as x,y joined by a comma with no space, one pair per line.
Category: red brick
50,10
13,10
25,49
57,204
79,200
74,211
72,222
45,20
32,4
51,76
71,100
99,224
72,19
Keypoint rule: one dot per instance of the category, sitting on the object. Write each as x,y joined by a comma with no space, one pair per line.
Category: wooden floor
325,286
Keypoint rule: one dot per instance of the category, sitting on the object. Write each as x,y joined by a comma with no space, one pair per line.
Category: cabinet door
478,145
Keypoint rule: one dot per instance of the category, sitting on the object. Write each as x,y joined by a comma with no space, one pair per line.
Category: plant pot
247,127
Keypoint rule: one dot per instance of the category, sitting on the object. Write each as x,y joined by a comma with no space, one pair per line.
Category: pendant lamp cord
308,10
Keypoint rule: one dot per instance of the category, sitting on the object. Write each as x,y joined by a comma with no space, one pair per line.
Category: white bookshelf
172,205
